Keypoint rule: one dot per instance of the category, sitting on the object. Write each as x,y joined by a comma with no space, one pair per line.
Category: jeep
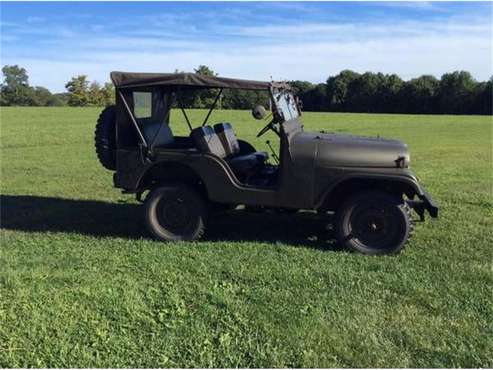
365,184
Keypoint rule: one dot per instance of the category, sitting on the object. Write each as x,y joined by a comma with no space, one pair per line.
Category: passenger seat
207,141
231,145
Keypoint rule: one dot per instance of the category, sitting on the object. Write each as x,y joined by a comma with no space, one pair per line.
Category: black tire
373,223
175,212
105,138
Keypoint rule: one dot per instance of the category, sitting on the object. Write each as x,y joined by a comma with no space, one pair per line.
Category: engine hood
350,151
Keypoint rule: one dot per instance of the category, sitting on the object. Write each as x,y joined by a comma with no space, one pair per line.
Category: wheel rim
375,226
174,215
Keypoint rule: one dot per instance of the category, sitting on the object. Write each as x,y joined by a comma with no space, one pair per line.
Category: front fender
407,182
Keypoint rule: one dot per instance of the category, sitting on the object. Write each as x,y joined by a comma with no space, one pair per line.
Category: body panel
331,150
220,182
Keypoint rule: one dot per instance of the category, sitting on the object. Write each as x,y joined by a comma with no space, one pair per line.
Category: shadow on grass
99,219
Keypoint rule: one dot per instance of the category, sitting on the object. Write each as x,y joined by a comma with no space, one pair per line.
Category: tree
301,87
362,93
42,97
419,95
337,89
108,94
244,99
456,93
483,99
15,88
204,98
387,95
204,71
78,89
62,98
94,93
315,99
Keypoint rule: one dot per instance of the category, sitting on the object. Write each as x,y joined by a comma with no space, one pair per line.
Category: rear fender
170,172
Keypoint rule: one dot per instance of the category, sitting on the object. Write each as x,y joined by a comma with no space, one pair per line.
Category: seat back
228,138
158,135
207,141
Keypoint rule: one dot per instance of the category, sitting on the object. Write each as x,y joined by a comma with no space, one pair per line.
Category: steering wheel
269,126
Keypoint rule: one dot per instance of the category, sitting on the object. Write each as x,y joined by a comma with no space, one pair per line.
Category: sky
55,41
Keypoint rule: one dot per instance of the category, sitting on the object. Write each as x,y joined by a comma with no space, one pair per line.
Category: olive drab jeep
365,183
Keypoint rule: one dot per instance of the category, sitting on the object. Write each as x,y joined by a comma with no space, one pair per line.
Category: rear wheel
373,223
175,212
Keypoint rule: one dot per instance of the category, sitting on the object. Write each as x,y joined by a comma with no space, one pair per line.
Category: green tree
419,95
456,93
387,95
42,97
301,87
483,99
244,99
204,98
315,99
78,89
108,94
95,96
15,89
362,93
62,98
337,89
204,71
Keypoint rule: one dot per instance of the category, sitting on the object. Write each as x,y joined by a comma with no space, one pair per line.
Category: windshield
286,104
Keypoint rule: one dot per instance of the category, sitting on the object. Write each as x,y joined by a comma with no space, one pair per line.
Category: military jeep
364,183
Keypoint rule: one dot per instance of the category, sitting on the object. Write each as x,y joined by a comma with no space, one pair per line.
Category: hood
351,151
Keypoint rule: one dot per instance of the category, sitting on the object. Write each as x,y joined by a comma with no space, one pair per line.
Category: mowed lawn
82,284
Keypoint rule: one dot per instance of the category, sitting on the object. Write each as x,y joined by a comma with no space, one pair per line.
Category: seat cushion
228,138
245,164
207,141
263,156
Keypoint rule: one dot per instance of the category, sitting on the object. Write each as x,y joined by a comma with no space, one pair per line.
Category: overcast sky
282,40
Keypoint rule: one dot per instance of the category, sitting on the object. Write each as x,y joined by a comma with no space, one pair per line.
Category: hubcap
174,215
374,226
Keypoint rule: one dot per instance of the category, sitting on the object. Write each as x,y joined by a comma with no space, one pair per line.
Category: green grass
82,285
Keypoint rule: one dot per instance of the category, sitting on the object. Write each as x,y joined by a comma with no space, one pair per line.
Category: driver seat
246,164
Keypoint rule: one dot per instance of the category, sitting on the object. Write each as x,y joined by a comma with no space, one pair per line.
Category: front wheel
175,212
373,223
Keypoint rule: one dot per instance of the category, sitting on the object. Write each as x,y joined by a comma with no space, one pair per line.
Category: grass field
82,285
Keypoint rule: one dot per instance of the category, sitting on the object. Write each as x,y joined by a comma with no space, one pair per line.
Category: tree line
454,93
16,91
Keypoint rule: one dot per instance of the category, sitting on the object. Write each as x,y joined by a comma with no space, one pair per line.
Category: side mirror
259,112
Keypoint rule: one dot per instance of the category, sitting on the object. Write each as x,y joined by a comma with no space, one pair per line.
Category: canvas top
132,80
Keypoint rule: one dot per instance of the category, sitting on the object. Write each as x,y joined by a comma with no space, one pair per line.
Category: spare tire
105,138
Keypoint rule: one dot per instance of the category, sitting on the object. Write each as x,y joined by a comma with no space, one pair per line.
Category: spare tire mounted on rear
105,138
